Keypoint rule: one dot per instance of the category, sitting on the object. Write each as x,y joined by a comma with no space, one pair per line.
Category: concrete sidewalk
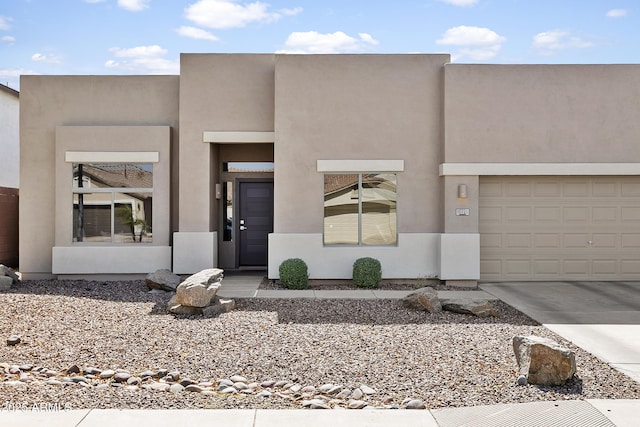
605,413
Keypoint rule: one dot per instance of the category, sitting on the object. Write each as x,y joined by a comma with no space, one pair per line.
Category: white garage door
559,228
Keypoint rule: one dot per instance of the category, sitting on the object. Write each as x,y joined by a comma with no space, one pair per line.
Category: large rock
8,272
199,289
543,361
162,279
218,307
423,299
177,308
473,306
5,283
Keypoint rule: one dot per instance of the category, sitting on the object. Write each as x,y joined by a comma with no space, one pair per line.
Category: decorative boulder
473,306
199,289
177,308
8,272
162,279
423,299
5,283
218,307
543,361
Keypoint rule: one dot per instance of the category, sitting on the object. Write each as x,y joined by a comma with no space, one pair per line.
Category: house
9,174
459,171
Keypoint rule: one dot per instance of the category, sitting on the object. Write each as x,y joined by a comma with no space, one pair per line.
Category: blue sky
147,36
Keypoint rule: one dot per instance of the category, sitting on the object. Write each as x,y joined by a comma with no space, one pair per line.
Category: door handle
242,228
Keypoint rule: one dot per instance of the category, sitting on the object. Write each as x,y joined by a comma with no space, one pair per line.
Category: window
112,202
360,209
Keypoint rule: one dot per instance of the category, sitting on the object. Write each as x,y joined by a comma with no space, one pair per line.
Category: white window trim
365,166
112,157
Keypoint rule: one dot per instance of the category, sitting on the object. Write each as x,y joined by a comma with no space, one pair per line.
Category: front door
255,222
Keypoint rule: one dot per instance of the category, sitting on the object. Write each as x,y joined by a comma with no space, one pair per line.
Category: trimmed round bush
367,272
294,273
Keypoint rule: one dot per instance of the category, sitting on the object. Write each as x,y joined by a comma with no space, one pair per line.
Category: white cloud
617,13
549,42
461,2
196,33
49,59
134,5
7,39
338,42
5,23
143,60
138,52
475,43
291,12
222,14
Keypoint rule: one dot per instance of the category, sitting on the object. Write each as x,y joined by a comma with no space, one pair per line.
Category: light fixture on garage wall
218,191
462,191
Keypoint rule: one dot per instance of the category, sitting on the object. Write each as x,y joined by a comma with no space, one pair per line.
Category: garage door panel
605,240
547,267
547,214
630,189
491,267
575,214
518,214
605,214
629,240
491,214
630,214
575,266
547,189
518,267
604,266
547,228
547,240
575,189
518,240
630,266
518,189
575,240
605,189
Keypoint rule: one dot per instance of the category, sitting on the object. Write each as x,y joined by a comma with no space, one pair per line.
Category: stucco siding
541,113
218,92
51,101
359,107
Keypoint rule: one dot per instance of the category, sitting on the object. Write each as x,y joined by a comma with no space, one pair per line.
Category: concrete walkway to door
603,318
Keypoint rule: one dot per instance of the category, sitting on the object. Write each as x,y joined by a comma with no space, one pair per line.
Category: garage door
559,228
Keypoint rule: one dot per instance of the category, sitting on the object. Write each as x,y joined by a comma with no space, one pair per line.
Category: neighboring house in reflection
9,174
459,171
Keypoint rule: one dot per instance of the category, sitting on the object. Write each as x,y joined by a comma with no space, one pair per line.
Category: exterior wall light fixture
462,191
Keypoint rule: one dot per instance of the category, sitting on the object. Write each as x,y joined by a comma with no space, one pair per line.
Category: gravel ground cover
286,352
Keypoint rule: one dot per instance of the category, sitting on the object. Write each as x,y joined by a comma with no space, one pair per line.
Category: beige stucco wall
50,101
542,113
218,92
366,107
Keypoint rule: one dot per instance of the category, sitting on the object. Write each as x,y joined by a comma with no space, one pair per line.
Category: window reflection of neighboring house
124,208
359,210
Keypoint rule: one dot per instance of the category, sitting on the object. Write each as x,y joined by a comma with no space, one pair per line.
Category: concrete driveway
603,318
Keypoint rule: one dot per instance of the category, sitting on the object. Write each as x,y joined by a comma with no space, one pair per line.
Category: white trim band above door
360,165
233,137
532,169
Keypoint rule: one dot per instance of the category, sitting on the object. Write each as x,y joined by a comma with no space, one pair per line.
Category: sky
63,37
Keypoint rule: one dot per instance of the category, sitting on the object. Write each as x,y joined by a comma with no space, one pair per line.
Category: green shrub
367,272
294,273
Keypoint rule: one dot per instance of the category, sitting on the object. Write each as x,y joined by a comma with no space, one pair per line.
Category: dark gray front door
256,222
